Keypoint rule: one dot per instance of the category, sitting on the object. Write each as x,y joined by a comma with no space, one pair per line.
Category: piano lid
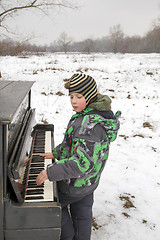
9,101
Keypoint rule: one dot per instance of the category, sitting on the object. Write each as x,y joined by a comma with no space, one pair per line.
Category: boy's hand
42,177
48,155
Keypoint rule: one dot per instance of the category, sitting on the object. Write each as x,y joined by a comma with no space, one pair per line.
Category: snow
127,201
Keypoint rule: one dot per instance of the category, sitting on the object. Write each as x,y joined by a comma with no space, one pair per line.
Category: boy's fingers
41,178
43,155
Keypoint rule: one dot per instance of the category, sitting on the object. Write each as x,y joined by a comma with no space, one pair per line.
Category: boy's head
83,84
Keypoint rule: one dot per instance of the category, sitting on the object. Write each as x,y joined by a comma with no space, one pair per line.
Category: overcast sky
92,20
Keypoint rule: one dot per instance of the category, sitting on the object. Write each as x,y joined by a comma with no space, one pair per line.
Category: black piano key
33,183
39,151
36,170
39,141
35,192
40,138
34,197
35,186
32,177
40,133
37,165
40,148
39,145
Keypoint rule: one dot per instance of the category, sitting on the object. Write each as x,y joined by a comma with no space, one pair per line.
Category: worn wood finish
11,96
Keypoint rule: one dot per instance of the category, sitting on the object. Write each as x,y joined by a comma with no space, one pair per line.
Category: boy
81,155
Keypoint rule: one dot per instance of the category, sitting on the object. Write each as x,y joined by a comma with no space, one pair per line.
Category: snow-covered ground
127,201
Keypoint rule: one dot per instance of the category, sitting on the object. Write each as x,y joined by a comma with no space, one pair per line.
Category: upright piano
27,211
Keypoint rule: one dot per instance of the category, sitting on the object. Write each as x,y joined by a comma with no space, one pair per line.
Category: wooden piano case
21,220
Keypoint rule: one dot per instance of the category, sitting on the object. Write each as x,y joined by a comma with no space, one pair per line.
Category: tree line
115,42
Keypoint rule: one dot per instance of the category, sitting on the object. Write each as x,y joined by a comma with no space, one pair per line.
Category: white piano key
48,194
48,146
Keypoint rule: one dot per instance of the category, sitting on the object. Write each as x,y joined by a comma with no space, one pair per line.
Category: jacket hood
103,103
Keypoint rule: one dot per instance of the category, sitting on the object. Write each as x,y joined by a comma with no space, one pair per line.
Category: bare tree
64,42
152,40
116,37
88,45
10,8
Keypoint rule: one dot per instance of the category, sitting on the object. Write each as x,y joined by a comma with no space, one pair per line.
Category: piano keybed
34,192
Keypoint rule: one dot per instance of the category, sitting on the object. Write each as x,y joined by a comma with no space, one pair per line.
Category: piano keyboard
43,192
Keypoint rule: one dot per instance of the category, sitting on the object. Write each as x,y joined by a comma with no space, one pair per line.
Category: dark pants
76,221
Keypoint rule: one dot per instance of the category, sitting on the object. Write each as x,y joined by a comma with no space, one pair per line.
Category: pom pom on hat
67,85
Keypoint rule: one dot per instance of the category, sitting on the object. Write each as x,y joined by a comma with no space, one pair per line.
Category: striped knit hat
83,84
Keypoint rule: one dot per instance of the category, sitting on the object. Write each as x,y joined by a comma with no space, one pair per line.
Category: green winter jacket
84,151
